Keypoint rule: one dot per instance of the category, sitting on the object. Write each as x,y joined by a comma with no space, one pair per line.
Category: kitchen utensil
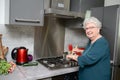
3,49
20,55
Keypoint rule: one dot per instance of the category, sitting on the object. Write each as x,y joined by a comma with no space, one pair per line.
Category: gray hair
92,20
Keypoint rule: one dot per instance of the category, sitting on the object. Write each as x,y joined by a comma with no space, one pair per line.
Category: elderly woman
95,60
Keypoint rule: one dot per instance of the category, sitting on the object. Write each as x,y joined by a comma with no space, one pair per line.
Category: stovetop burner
57,62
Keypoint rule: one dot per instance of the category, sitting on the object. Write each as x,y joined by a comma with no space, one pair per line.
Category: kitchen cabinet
82,5
24,12
68,76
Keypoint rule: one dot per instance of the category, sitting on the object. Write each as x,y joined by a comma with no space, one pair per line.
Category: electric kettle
20,54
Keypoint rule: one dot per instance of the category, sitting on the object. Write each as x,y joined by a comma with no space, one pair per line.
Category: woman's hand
76,49
72,56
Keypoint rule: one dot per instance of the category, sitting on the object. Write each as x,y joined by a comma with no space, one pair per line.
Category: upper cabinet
81,6
24,12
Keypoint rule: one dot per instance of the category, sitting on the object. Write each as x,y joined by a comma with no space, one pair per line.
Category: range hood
59,8
70,8
62,13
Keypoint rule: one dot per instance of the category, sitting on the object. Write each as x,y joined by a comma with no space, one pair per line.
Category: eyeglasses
89,28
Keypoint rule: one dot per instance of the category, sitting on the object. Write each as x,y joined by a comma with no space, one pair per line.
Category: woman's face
92,31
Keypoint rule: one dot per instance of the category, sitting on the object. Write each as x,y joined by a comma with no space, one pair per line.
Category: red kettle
20,55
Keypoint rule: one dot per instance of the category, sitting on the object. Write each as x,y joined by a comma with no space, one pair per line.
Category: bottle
70,47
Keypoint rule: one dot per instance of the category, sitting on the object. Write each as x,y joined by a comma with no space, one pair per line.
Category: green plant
4,66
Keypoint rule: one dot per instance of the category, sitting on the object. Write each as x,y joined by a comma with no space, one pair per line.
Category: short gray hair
92,20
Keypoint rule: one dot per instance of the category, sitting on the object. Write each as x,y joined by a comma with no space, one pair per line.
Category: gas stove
57,62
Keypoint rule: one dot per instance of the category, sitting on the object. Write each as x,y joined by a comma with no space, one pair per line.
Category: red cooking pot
20,55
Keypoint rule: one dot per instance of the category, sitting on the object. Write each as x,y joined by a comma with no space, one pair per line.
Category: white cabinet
24,12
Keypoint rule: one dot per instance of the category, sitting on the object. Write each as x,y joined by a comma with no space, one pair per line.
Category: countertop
35,72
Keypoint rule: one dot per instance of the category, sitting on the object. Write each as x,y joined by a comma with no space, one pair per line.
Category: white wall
15,36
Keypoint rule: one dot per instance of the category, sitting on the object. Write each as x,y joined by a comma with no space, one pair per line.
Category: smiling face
92,31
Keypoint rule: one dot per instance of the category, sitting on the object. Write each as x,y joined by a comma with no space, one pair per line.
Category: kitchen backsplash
16,36
76,37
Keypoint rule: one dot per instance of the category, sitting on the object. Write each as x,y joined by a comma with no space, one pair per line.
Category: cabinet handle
27,21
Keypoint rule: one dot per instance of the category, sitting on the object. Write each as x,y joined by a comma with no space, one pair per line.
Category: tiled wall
14,36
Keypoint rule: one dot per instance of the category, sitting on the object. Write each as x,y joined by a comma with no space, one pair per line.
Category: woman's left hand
72,56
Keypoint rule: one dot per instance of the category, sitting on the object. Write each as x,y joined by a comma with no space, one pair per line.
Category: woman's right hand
76,49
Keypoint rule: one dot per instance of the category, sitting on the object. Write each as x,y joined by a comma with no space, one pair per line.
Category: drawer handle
27,21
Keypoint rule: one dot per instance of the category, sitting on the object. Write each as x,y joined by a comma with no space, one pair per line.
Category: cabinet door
26,12
97,12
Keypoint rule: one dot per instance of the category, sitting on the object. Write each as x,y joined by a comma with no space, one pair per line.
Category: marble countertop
35,72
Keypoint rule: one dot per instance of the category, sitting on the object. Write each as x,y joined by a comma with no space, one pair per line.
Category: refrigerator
110,18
